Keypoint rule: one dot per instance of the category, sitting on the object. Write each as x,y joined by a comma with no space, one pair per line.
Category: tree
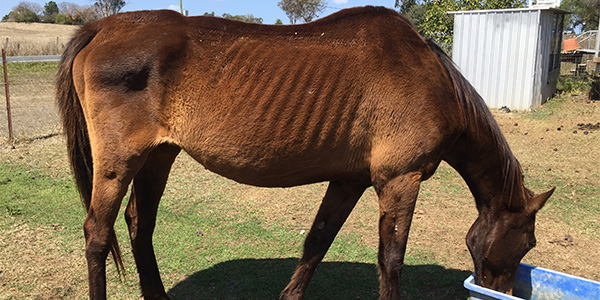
63,19
405,5
71,13
24,12
278,22
414,10
68,8
249,18
433,21
32,6
50,8
50,12
109,7
585,13
87,14
305,10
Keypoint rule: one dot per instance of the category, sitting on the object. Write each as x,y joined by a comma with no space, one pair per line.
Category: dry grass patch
208,223
34,112
35,261
23,39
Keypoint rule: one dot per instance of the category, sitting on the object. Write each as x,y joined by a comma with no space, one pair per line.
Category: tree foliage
71,13
249,18
50,8
433,21
109,7
585,13
61,13
50,12
24,12
305,10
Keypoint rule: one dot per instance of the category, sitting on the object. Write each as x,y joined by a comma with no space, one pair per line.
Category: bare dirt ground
560,146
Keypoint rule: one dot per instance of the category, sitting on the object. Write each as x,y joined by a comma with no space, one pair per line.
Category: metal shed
510,56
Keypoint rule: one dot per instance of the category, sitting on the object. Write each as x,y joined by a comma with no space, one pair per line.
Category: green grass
208,255
40,199
29,68
551,107
571,200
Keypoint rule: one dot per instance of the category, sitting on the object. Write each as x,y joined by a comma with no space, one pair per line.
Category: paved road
11,59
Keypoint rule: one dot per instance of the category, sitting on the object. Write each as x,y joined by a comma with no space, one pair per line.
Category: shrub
21,15
568,84
63,19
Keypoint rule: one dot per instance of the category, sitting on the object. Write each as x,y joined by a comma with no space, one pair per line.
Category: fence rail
39,58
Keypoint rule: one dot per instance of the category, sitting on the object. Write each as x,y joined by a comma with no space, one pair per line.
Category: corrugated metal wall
505,54
549,77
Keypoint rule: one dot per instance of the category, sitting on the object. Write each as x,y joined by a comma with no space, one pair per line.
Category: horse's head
500,238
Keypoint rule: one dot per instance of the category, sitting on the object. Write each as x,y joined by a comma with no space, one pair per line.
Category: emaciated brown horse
357,99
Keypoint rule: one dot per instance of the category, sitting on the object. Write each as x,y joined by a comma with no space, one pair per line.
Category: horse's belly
277,167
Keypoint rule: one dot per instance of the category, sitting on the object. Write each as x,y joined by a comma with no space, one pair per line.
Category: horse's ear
537,202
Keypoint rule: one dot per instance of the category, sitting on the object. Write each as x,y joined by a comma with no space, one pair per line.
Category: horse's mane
480,122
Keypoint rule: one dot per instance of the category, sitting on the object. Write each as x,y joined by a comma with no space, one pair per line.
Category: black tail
75,127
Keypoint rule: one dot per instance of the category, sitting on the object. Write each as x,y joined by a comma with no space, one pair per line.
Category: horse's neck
484,160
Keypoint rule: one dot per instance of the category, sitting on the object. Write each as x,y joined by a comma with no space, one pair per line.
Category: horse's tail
75,127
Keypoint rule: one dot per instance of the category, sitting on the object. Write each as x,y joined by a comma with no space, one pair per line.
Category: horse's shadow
265,278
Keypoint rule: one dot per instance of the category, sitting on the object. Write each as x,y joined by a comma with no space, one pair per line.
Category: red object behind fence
570,45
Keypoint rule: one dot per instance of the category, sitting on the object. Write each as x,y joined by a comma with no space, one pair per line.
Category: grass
578,173
216,239
34,114
243,256
29,69
568,84
551,107
22,39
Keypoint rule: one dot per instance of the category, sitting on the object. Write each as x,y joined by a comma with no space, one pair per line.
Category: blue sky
266,9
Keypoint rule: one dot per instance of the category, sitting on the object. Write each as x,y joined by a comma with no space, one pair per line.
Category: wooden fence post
10,131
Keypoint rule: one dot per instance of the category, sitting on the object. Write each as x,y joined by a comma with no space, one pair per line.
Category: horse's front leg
397,198
337,204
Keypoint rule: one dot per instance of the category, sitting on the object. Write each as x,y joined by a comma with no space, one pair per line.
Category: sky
266,9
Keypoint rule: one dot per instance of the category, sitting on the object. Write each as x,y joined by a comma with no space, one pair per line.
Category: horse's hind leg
113,171
337,204
148,187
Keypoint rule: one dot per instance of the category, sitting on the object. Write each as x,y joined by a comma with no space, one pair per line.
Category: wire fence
33,112
577,57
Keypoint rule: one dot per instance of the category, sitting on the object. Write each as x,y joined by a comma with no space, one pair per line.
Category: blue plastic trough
535,283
